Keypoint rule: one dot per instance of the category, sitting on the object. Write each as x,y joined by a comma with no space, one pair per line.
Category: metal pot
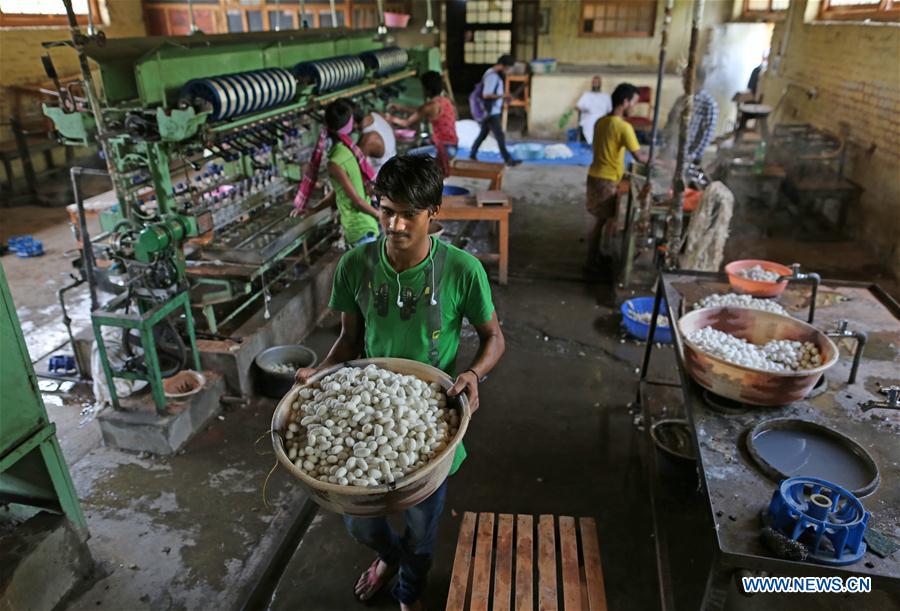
748,384
385,499
273,383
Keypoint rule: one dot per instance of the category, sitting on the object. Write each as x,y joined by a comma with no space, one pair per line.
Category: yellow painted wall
853,69
21,51
565,45
552,94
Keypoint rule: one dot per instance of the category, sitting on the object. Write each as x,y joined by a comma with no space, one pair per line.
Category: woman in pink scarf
349,171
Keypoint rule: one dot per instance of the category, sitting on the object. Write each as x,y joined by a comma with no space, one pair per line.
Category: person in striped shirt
702,126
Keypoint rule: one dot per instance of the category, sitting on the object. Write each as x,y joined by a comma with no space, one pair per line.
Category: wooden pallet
502,563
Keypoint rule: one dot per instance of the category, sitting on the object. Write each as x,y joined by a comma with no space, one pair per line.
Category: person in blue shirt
492,93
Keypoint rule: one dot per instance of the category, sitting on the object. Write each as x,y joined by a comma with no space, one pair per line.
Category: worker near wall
591,106
756,77
377,139
440,112
613,135
702,126
492,94
406,296
349,169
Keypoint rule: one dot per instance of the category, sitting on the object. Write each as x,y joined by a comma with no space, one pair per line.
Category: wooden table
465,208
468,168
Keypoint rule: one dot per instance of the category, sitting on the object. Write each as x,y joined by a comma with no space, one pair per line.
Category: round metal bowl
184,384
808,449
275,384
388,498
673,437
748,384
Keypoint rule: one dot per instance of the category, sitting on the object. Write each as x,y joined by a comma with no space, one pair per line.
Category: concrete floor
554,435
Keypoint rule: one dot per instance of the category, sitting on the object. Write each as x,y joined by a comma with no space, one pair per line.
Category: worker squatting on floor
437,285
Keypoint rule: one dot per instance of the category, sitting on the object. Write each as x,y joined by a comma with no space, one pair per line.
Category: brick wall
21,51
853,69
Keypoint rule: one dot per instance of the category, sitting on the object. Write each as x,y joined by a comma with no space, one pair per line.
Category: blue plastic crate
640,330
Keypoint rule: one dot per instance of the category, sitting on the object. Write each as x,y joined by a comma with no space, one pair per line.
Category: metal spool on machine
232,95
385,61
332,74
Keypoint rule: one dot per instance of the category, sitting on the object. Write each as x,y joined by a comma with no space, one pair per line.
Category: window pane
620,17
42,7
286,23
235,21
255,21
854,2
758,5
325,19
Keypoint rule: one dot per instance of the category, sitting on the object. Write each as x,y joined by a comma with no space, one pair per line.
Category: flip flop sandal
369,574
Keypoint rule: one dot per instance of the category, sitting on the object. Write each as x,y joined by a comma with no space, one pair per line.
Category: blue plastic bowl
454,190
640,330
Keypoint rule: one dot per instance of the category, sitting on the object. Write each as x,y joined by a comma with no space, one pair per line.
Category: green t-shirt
405,332
355,222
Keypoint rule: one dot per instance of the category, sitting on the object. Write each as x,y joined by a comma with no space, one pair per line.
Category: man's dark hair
623,93
506,60
412,180
432,83
337,114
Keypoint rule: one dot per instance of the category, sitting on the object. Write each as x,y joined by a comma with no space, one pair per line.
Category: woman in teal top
358,217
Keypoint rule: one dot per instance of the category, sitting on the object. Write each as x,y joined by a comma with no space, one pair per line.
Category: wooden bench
468,168
529,570
466,208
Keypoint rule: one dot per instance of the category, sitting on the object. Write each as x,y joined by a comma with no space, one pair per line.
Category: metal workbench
735,489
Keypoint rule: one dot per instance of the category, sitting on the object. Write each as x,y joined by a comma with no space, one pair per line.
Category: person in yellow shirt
612,136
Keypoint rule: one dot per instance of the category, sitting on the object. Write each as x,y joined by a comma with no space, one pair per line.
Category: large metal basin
386,499
748,384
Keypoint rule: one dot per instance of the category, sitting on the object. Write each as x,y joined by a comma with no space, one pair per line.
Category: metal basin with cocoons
749,384
387,498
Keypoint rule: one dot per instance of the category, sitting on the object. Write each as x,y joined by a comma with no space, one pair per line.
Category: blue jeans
369,237
413,551
491,124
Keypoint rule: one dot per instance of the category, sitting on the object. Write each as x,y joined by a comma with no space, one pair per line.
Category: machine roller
233,95
332,74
